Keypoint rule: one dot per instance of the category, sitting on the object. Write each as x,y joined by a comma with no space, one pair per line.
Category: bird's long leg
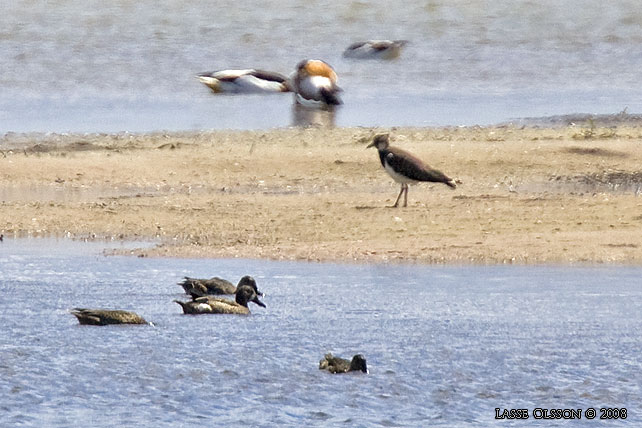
405,196
398,197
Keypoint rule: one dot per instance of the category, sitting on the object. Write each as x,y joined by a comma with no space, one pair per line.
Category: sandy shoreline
527,195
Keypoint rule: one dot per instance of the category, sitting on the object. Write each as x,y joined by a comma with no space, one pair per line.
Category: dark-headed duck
213,305
196,287
340,365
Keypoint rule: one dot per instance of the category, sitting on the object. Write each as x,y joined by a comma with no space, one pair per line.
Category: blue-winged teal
339,365
405,168
106,317
196,287
213,305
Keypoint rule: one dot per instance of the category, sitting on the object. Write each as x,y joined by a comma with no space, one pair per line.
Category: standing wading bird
405,168
315,84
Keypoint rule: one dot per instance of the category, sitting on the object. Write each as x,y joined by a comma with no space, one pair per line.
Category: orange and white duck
315,84
375,49
248,81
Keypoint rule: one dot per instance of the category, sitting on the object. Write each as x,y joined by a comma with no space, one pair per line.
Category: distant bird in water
213,305
196,287
375,49
107,317
1,237
339,365
249,81
315,84
405,168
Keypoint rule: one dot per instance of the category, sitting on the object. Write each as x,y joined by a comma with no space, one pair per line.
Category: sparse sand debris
524,194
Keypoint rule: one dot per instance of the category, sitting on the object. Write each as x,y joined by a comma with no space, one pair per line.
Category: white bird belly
398,177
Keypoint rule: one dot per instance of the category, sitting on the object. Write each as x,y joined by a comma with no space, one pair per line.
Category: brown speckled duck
106,317
340,365
196,287
213,305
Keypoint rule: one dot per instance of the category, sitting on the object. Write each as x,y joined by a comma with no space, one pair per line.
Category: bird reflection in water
304,116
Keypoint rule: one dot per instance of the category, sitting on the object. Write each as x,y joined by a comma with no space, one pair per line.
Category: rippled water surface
445,345
129,65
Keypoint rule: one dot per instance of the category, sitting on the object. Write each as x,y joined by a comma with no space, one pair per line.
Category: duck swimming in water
197,287
375,49
340,365
315,84
248,81
106,317
213,305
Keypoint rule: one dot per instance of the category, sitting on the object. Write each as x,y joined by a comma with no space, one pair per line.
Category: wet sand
556,194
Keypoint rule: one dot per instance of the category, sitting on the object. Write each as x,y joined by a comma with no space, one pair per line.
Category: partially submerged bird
196,287
405,168
106,317
375,49
213,305
315,84
339,365
248,81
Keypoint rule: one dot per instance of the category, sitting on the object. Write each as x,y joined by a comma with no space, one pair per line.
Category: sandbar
526,194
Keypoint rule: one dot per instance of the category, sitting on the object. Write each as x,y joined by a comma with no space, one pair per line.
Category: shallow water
84,66
445,345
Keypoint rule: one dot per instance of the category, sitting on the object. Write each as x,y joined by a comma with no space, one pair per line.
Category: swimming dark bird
213,305
375,49
248,81
339,365
106,317
315,84
405,168
196,287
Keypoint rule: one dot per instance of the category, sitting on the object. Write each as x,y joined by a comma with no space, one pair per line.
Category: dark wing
414,168
269,75
216,285
355,45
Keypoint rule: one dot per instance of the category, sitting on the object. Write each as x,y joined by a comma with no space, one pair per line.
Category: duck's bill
258,302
